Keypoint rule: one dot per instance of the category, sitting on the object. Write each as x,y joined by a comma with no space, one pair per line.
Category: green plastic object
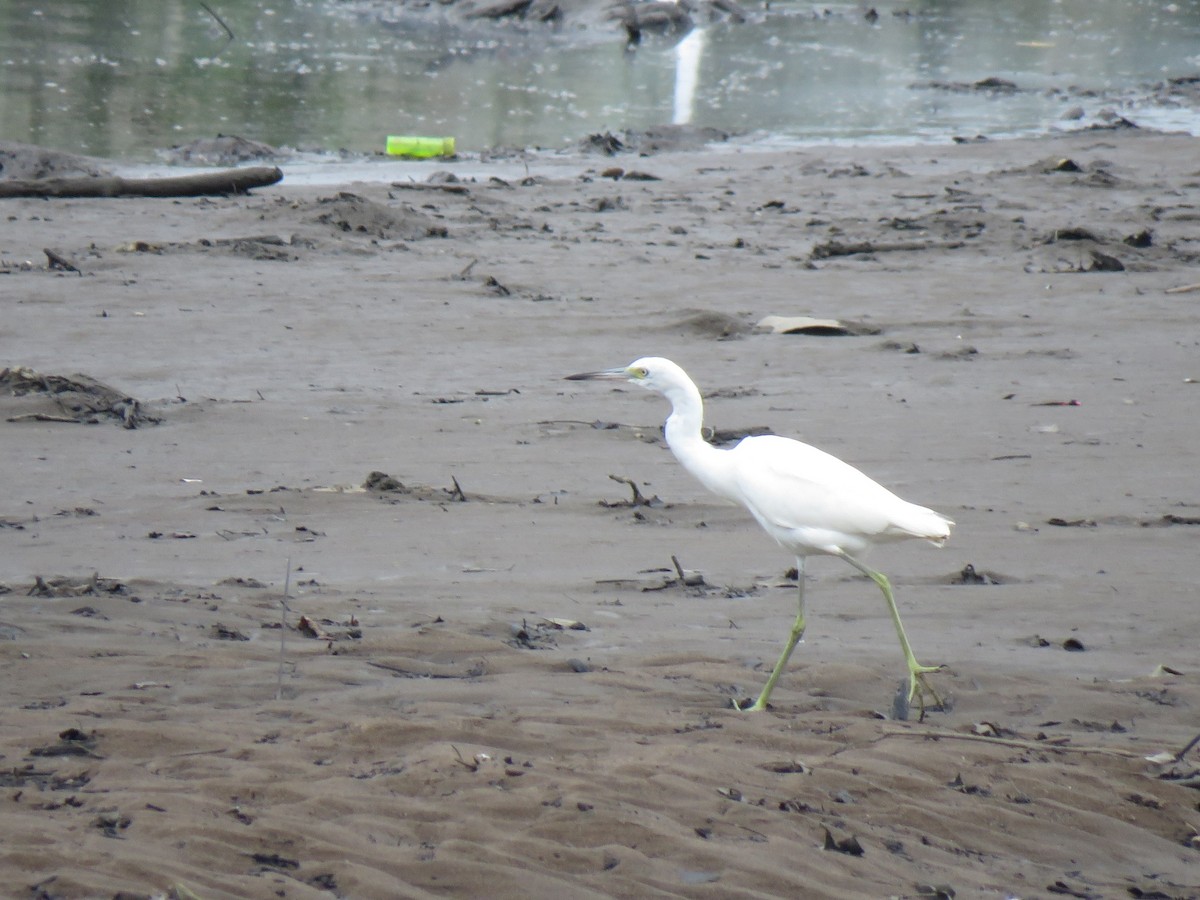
419,147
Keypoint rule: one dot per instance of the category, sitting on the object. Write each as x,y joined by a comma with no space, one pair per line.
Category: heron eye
640,372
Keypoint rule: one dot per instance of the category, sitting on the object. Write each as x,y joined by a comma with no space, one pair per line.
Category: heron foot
746,706
920,688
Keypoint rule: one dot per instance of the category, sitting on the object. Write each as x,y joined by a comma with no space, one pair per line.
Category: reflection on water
122,78
688,53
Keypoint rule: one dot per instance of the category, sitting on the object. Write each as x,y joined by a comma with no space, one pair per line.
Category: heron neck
686,439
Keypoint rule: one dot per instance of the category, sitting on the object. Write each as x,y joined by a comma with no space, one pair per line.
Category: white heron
809,501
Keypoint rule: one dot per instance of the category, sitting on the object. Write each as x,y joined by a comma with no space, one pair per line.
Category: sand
493,681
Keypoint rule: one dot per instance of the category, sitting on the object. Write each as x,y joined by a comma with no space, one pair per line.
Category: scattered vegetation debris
496,287
383,482
392,489
539,636
1172,519
971,575
637,500
77,399
833,249
56,260
1144,801
75,586
786,767
1113,727
320,629
1103,262
991,729
990,85
796,806
325,881
1073,233
224,633
1176,771
1061,887
1071,523
71,742
274,861
111,823
476,670
607,144
687,579
848,845
239,581
936,891
28,775
309,628
243,817
963,788
477,761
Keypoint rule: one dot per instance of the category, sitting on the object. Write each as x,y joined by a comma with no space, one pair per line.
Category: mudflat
504,672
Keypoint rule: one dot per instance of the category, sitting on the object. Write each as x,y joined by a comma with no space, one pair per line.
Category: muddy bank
490,675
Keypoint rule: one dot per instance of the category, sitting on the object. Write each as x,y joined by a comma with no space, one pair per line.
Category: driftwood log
226,181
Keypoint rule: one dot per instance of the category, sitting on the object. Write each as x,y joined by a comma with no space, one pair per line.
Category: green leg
794,637
917,685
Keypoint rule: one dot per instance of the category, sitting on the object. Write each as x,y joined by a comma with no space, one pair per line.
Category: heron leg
917,685
794,637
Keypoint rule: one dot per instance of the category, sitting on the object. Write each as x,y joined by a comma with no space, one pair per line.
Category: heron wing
809,500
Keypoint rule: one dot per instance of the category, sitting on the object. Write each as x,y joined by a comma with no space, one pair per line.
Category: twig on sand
638,498
474,767
836,248
41,417
200,752
425,186
678,568
929,733
1186,747
56,260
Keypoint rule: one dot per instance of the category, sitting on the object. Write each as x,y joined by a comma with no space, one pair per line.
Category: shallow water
123,79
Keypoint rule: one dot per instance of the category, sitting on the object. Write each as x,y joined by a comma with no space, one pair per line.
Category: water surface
123,79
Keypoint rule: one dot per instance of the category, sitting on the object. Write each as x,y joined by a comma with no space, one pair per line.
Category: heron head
651,372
